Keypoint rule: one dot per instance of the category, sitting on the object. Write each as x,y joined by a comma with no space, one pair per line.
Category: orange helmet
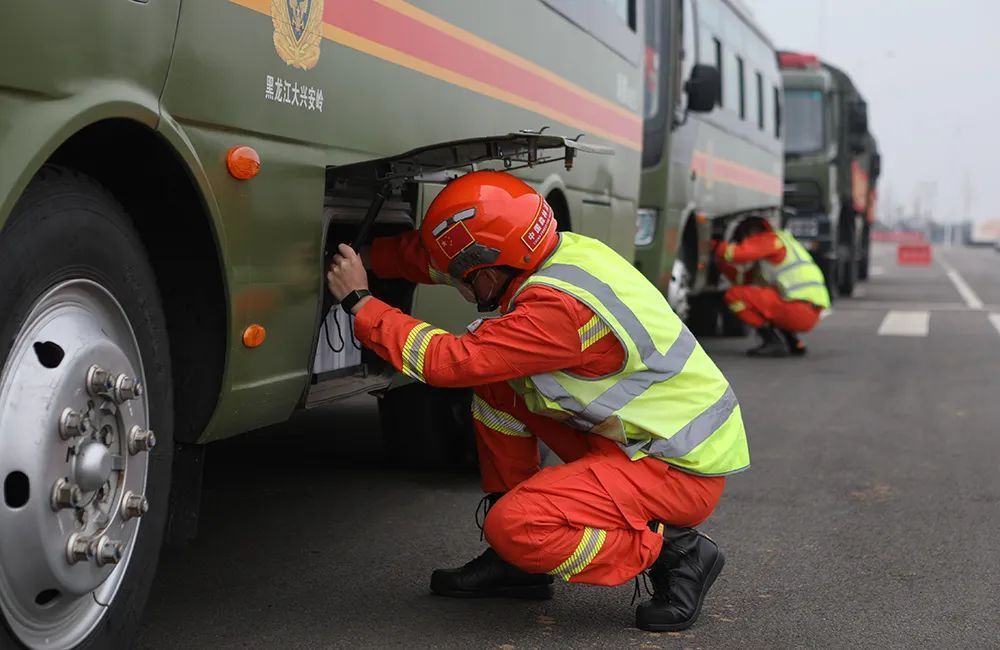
486,219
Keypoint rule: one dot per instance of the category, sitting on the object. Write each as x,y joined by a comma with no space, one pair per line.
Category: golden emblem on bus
298,31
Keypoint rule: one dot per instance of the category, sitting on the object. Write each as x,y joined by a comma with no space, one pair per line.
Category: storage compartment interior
339,355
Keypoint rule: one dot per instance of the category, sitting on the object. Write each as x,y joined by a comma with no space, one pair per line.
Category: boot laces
637,594
482,510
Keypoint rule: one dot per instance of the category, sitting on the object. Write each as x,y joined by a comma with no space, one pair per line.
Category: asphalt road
870,516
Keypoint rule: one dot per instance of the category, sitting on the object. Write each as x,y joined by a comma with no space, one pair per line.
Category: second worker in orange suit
586,356
777,287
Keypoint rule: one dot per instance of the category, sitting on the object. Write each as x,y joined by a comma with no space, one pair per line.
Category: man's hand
346,274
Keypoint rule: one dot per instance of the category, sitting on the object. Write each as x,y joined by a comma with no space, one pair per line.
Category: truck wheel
848,275
704,316
731,324
428,428
865,253
85,380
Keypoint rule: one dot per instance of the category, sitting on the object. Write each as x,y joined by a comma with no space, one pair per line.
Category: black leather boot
771,344
796,347
489,575
688,565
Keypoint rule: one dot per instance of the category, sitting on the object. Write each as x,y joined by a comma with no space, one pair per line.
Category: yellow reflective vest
668,400
797,277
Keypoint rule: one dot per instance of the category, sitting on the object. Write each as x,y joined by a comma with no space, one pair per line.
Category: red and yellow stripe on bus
398,32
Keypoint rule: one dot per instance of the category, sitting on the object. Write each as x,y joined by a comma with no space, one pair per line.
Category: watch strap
352,299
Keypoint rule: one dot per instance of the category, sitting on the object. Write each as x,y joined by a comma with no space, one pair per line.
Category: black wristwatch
353,298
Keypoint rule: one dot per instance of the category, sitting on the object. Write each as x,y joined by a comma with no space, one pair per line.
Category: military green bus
712,149
172,175
832,164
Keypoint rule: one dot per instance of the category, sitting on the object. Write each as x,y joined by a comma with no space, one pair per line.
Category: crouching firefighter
586,356
778,288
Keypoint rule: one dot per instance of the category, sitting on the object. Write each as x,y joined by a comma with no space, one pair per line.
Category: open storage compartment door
379,198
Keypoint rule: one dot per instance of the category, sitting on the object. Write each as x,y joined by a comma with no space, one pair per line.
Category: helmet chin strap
491,302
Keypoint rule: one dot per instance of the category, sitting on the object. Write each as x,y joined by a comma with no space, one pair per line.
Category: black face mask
491,302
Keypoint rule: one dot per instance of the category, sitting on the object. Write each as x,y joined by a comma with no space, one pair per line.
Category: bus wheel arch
144,174
560,208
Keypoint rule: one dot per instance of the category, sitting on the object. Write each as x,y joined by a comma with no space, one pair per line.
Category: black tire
829,269
731,325
848,276
703,319
67,226
865,261
428,428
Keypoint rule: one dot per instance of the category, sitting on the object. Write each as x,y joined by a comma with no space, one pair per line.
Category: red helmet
486,219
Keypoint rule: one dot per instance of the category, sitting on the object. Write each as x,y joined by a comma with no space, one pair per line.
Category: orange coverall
600,502
760,305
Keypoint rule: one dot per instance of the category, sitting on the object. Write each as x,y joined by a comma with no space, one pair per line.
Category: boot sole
713,573
530,592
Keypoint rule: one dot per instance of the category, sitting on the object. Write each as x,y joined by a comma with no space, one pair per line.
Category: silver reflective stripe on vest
802,285
693,434
661,366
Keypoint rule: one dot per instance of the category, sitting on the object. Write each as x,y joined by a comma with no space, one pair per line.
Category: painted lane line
964,290
995,319
905,323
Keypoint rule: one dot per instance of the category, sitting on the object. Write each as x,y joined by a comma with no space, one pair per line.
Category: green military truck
173,176
832,165
712,152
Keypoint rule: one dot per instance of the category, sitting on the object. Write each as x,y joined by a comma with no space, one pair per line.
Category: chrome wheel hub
71,405
678,293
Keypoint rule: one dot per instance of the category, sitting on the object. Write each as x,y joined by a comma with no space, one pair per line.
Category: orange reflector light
701,217
243,163
254,335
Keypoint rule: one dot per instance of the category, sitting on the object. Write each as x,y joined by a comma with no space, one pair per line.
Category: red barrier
913,255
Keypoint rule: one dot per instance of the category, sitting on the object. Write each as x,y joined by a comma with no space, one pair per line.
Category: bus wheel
679,291
85,382
428,428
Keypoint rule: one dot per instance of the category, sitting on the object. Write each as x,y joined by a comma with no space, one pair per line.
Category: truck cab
831,164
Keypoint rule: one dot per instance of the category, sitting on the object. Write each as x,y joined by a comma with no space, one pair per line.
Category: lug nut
70,424
126,388
65,495
99,381
140,439
134,505
107,435
78,549
107,550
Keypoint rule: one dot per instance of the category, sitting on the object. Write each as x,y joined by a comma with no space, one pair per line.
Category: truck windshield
804,121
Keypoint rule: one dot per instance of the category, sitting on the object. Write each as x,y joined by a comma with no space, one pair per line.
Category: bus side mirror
702,88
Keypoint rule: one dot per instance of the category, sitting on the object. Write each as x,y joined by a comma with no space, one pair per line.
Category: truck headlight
645,226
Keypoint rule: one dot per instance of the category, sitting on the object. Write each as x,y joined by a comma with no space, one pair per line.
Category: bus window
777,112
656,104
760,101
741,85
718,65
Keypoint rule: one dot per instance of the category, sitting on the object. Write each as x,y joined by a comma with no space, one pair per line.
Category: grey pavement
870,516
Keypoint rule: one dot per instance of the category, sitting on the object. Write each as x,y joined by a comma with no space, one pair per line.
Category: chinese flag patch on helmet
455,240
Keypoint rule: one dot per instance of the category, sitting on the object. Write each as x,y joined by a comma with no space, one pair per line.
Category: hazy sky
930,70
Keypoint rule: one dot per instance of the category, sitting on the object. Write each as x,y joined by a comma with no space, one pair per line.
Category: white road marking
876,271
905,323
972,301
995,319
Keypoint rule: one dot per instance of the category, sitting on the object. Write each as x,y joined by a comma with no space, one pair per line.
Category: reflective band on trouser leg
592,332
415,348
498,420
590,545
